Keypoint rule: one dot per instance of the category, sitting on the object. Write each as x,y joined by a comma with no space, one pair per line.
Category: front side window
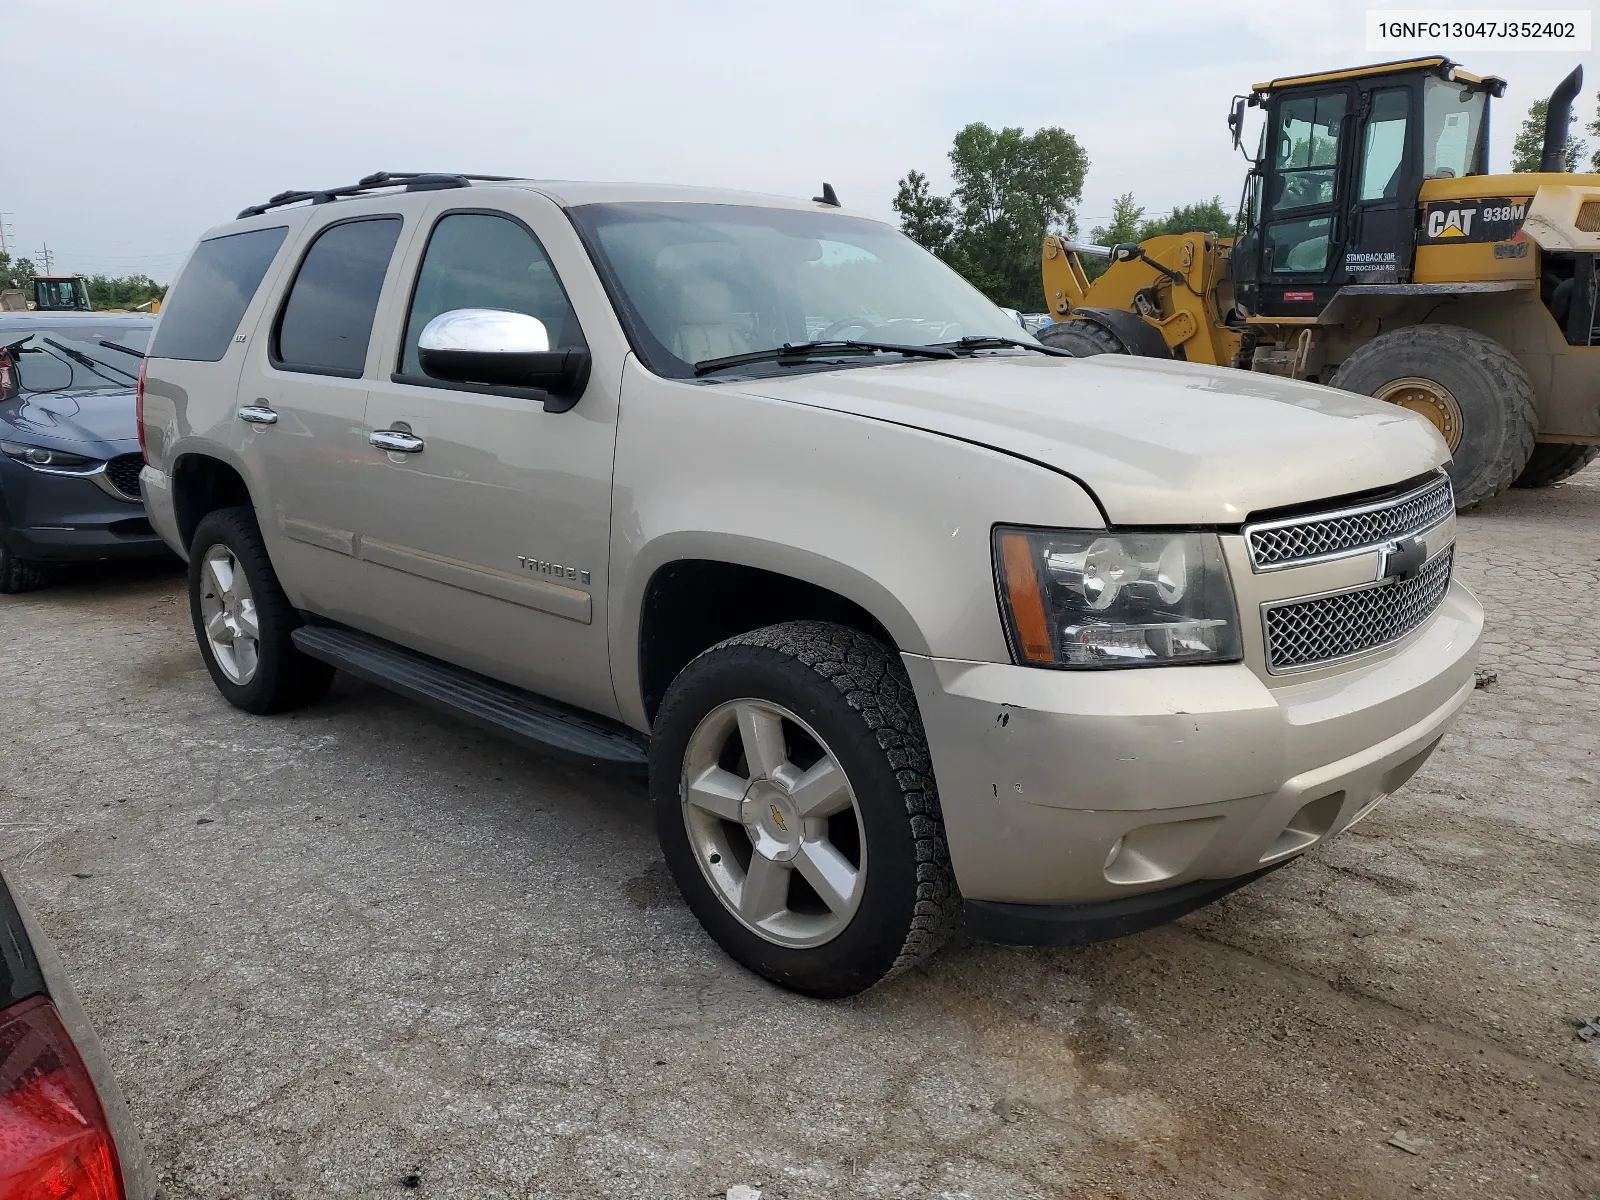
1299,247
327,320
1452,116
1307,151
695,282
1383,149
479,260
202,312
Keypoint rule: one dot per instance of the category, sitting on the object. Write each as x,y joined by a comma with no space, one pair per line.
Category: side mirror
497,348
1236,120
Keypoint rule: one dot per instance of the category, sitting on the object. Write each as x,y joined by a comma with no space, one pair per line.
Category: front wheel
797,811
18,574
1467,385
1081,339
1552,463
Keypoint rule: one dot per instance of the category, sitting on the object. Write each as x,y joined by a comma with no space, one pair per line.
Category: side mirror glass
1236,120
497,348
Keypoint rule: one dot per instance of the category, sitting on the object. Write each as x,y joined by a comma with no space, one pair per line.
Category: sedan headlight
1089,598
48,460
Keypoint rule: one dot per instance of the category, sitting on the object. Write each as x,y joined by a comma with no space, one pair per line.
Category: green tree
1207,216
1010,190
1529,146
15,273
1126,219
927,219
1594,128
125,292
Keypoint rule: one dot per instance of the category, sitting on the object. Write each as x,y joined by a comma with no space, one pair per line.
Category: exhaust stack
1556,119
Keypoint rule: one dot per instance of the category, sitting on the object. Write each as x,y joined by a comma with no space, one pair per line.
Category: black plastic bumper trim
1082,924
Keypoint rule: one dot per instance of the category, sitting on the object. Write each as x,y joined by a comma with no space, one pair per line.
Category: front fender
894,519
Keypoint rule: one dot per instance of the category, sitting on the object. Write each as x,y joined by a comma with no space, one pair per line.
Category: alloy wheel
228,613
773,823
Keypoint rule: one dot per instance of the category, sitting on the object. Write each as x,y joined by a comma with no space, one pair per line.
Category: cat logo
1451,223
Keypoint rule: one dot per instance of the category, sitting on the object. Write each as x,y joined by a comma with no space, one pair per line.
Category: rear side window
327,320
202,314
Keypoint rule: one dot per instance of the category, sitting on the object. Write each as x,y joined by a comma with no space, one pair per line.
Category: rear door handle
394,439
258,414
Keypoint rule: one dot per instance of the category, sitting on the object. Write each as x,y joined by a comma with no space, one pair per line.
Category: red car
65,1133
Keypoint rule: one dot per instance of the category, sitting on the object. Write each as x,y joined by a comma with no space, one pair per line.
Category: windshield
696,282
72,356
1451,118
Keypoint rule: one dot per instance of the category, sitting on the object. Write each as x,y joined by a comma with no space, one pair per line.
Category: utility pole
47,259
5,234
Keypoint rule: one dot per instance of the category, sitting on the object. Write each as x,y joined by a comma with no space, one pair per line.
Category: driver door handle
395,440
258,414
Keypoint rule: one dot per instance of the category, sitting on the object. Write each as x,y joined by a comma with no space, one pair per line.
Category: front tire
1082,339
243,620
797,811
18,574
1475,393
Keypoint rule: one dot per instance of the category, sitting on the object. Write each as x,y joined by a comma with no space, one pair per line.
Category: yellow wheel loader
1377,256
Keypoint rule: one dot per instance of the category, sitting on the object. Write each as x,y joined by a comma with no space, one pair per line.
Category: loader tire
1082,339
1482,400
1551,463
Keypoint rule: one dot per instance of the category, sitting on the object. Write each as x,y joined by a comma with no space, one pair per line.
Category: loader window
1384,147
1452,117
1307,151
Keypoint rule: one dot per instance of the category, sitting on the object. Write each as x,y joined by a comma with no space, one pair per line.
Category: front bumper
69,518
1085,788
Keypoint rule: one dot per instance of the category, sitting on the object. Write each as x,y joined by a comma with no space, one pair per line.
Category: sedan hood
1158,442
101,416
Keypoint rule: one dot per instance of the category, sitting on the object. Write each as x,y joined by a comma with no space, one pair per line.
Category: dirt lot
363,951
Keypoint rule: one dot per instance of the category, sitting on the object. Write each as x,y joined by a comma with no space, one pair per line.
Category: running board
535,721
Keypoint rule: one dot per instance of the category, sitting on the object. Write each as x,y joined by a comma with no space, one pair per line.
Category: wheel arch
203,481
669,608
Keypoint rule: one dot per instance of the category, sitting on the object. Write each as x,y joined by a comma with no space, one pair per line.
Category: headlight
1088,598
49,460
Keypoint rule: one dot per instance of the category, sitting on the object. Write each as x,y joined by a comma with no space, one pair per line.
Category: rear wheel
1468,386
1551,463
1083,339
243,621
797,811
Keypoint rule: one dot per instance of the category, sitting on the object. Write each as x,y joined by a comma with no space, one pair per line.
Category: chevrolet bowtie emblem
1401,560
777,818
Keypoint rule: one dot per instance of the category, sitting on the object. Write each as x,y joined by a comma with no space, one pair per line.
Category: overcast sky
143,122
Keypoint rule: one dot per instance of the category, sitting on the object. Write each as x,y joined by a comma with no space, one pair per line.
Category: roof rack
411,181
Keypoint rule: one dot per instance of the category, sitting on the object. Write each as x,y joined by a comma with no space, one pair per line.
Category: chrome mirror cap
485,331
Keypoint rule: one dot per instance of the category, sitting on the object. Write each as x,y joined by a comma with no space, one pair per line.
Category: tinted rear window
327,320
203,312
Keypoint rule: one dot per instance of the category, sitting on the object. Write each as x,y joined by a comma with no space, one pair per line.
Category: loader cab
1332,196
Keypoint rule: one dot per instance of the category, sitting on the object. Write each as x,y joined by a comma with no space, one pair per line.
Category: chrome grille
1304,633
1350,530
123,474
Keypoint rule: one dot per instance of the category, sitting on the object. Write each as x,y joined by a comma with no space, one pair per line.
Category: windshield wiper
119,348
799,351
980,341
92,364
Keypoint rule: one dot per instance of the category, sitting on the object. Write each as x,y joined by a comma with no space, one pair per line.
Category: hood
99,416
1158,442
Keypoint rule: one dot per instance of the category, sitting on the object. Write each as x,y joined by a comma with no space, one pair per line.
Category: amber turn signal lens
1027,604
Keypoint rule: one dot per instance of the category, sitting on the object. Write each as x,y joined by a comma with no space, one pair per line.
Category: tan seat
706,326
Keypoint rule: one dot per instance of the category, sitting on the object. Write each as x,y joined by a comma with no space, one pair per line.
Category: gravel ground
363,951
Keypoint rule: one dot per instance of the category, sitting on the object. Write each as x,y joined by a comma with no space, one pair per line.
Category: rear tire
1082,339
18,574
1493,393
274,676
818,687
1551,463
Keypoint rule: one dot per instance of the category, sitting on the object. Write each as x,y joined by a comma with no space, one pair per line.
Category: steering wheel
835,331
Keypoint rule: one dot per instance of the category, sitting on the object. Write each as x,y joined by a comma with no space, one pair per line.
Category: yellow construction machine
1379,257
